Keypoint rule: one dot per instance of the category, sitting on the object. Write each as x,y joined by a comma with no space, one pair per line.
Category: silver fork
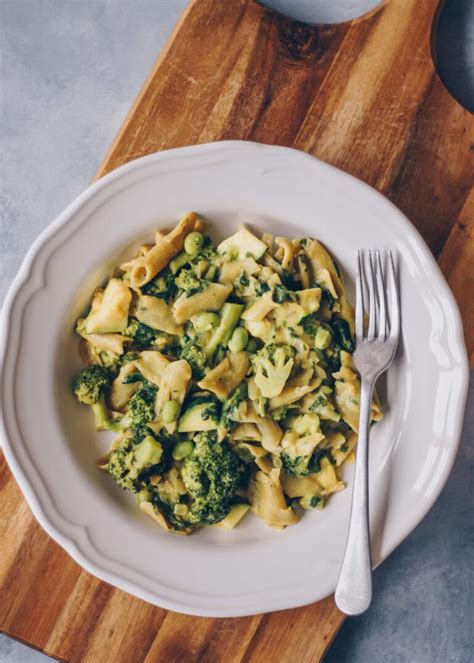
375,350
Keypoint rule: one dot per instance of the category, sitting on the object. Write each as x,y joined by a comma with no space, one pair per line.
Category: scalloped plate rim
27,483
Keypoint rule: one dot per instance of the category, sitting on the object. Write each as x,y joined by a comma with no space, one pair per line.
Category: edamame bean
205,321
238,340
170,411
193,243
183,450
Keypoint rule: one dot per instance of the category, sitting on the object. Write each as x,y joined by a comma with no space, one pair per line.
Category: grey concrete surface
69,70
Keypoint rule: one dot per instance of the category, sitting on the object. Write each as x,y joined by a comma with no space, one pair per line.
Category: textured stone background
69,71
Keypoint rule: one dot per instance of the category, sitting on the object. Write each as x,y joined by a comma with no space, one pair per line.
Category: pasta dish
226,373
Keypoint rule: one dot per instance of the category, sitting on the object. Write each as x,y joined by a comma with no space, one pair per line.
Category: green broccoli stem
102,418
179,261
230,315
101,414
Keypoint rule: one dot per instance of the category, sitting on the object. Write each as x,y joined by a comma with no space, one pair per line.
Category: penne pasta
167,246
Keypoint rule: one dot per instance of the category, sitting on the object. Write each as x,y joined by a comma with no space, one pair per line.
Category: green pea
238,340
193,243
170,411
183,450
205,321
251,345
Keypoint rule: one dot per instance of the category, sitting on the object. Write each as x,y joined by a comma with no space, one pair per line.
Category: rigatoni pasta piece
268,502
309,299
106,342
227,375
302,270
168,246
295,389
260,309
287,252
347,393
230,271
264,463
247,431
121,392
263,330
271,433
343,448
174,383
235,515
152,365
156,313
319,259
110,309
295,446
211,298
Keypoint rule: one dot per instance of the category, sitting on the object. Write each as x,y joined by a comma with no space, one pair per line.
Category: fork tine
359,313
394,301
381,298
372,302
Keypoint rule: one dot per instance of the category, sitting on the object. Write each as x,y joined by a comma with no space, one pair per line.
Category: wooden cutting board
365,97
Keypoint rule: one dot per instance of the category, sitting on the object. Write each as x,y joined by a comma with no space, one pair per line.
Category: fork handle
354,586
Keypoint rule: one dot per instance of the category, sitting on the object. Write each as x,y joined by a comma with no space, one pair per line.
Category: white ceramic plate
49,441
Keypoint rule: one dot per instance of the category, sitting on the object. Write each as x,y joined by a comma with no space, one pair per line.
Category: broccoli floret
145,337
211,474
91,383
142,335
230,409
195,357
272,365
208,251
167,343
162,286
129,356
89,388
298,466
129,462
190,282
141,409
282,294
109,359
342,334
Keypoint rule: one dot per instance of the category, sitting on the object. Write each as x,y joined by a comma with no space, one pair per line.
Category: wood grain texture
365,97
